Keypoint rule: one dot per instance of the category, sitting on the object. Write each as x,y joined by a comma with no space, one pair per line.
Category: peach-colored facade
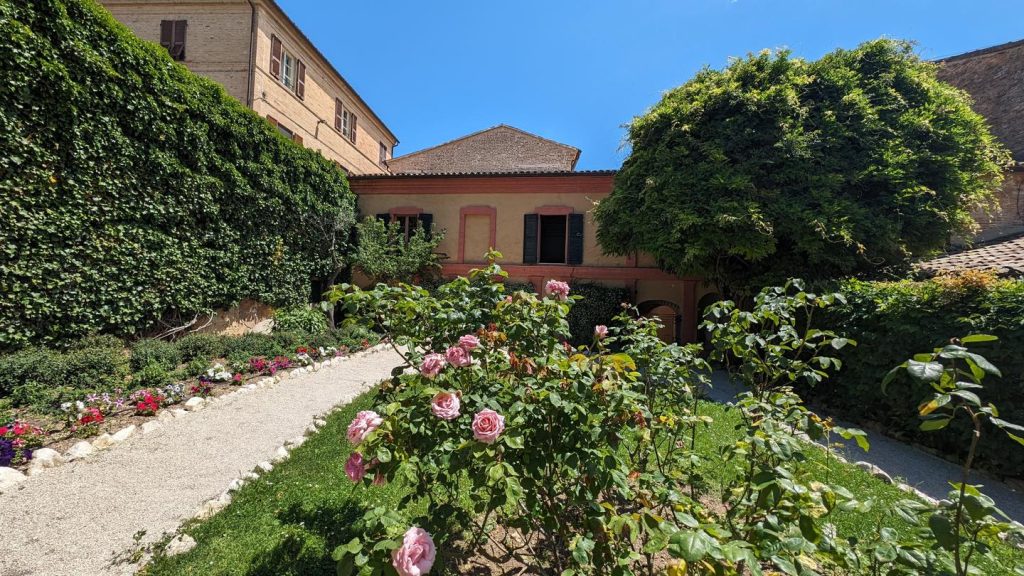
481,211
230,42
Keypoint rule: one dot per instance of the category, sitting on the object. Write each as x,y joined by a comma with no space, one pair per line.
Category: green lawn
288,522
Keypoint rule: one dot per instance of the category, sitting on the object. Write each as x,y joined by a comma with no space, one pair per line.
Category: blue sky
575,71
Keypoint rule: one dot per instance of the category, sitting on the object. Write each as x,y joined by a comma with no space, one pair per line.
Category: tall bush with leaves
775,167
385,254
135,191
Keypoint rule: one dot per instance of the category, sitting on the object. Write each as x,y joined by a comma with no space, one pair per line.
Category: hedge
894,320
135,191
600,304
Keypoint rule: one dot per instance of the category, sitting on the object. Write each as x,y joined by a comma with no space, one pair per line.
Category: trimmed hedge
600,304
134,190
894,320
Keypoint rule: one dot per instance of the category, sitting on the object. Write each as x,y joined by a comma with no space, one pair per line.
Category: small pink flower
362,426
469,342
600,331
488,425
458,356
508,299
379,479
432,365
416,555
559,290
445,405
354,468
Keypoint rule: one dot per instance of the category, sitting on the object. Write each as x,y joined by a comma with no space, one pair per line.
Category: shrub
239,350
287,342
44,378
201,347
148,352
97,341
304,319
599,305
143,189
894,317
152,376
26,367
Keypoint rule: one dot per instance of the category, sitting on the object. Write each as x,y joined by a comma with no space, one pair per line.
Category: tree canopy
776,167
384,253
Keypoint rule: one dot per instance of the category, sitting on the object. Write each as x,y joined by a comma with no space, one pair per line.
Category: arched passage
670,315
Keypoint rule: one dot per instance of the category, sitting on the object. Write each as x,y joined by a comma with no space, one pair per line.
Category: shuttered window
172,37
383,155
530,227
300,80
275,57
352,129
338,110
575,243
553,239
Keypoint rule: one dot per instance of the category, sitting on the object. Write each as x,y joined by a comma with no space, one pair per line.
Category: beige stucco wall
217,41
510,209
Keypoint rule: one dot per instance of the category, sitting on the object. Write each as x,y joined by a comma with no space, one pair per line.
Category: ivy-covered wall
132,190
892,321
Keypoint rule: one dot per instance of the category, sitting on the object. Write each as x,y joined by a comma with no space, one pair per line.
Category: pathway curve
72,519
924,471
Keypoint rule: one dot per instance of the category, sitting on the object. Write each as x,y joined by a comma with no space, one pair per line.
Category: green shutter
575,255
531,224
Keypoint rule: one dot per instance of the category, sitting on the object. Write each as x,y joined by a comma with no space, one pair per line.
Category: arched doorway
668,313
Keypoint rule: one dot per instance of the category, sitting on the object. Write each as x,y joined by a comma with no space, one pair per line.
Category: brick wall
498,149
1007,217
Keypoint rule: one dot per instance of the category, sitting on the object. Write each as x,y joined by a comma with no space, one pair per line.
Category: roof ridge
609,171
982,51
478,132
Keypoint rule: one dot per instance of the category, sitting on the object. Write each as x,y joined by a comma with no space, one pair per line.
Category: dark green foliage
239,350
307,319
287,342
133,189
201,347
45,378
777,167
600,305
383,253
151,376
892,320
159,352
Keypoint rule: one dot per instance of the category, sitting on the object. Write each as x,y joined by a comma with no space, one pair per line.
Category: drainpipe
253,24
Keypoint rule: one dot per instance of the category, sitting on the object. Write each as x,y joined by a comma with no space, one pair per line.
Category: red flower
3,430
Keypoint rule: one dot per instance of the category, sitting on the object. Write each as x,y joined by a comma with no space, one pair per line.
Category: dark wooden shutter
300,83
272,120
337,114
275,57
531,223
352,129
178,47
167,34
427,221
297,139
575,255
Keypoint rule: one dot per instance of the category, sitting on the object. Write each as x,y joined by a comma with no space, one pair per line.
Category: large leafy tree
777,167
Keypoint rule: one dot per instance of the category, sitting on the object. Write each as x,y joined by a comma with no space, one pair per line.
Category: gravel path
926,472
74,518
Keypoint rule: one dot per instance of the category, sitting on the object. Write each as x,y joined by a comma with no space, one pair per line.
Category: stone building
255,51
521,196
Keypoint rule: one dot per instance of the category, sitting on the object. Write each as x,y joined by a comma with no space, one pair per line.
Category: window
383,154
407,225
288,133
552,239
344,123
288,70
352,128
172,37
339,113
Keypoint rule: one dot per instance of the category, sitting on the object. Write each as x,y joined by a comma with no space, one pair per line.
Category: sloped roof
994,77
500,148
1004,256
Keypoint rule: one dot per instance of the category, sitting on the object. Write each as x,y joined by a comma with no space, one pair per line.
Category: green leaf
933,424
690,545
925,371
974,338
839,343
942,529
968,396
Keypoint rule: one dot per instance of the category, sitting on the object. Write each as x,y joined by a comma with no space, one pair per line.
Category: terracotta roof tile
1005,256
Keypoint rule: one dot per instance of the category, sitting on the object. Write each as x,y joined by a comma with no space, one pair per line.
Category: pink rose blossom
354,468
488,425
469,342
432,365
559,290
458,356
362,426
416,555
600,331
445,405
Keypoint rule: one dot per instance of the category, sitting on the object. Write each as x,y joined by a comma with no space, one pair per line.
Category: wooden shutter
352,129
275,57
272,120
427,221
300,82
575,255
178,46
384,217
167,34
297,139
338,124
531,224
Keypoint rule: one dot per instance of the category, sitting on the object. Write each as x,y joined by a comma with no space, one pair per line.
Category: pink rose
559,290
458,356
432,365
469,342
600,331
362,426
416,554
445,405
354,467
508,299
488,425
